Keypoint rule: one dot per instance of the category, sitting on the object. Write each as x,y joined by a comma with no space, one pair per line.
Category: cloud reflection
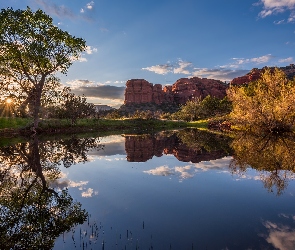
282,237
190,170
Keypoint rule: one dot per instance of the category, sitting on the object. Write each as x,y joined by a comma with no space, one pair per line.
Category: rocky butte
255,73
140,91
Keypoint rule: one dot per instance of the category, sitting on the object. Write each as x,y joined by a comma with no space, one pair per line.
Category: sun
8,100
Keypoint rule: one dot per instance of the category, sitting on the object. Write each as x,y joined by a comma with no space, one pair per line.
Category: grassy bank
13,123
19,126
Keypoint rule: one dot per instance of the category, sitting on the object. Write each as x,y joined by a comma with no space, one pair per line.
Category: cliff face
184,89
255,73
141,91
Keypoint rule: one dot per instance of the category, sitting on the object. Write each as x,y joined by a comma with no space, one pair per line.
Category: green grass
54,126
14,123
200,124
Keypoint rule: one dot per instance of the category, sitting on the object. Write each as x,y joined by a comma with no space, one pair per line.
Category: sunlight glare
8,100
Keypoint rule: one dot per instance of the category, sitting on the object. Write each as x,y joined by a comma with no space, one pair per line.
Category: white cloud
261,59
77,184
182,68
89,193
224,73
118,82
221,73
82,59
286,60
79,59
90,50
279,22
90,5
160,69
271,7
80,83
257,60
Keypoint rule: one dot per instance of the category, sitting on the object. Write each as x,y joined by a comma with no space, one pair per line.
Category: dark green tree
72,106
32,50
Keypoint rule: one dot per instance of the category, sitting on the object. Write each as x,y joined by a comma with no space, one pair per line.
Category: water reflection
272,155
131,205
189,145
33,210
280,236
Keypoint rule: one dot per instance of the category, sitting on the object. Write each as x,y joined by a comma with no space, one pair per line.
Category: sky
164,40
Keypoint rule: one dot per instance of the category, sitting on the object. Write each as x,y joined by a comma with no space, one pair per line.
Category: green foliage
188,112
267,104
14,122
200,109
113,114
32,50
74,107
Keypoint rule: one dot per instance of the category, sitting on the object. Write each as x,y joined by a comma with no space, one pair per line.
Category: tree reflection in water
32,213
272,155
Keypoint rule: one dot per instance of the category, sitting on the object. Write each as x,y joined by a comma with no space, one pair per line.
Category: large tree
267,104
32,50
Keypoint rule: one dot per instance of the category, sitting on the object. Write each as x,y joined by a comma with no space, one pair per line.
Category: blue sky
164,40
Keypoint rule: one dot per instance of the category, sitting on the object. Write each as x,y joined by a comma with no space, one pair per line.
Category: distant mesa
140,91
100,107
255,73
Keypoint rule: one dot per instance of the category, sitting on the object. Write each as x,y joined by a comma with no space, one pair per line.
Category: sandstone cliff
141,91
255,73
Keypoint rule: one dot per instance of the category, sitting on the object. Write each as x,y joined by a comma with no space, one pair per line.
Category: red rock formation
253,75
141,91
186,89
138,91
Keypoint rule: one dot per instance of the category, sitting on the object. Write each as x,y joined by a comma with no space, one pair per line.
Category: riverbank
13,127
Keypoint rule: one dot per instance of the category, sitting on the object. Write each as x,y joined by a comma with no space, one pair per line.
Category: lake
186,189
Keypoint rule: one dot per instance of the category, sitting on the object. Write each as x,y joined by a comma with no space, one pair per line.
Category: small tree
196,109
65,104
212,106
190,111
32,49
266,104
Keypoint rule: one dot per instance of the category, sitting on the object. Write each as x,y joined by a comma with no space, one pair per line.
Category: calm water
174,190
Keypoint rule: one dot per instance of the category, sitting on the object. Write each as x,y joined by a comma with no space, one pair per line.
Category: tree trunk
37,102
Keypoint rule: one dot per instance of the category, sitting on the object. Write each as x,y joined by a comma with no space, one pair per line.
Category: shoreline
55,127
